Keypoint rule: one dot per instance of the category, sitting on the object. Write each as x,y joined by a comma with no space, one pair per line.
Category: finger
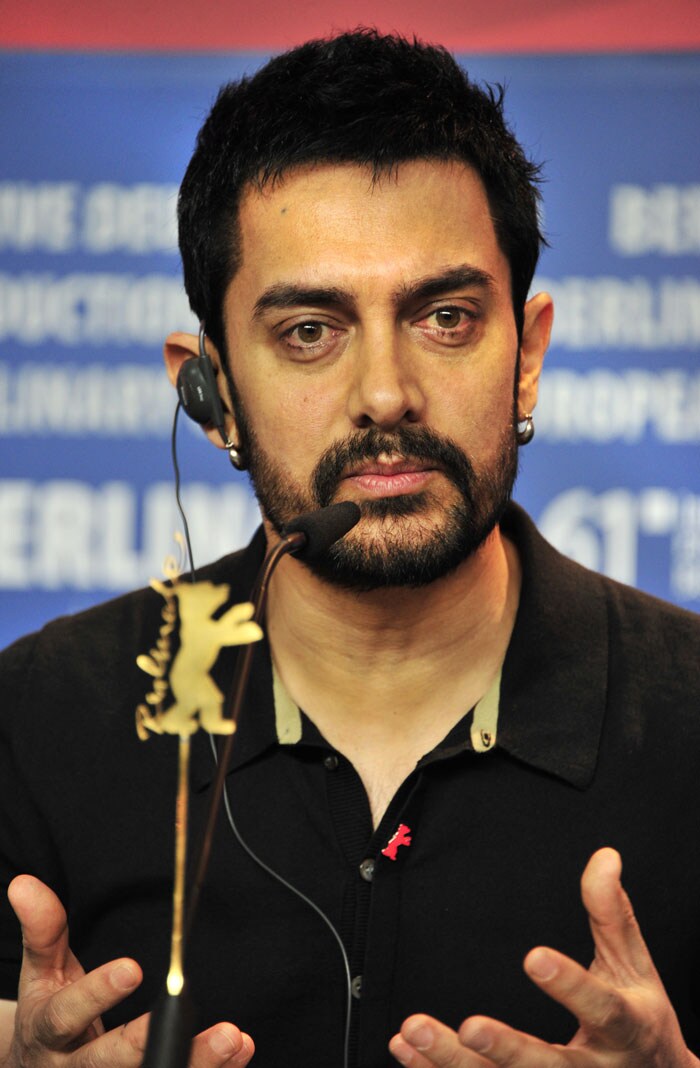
123,1047
68,1013
222,1046
426,1043
619,942
44,926
601,1009
504,1046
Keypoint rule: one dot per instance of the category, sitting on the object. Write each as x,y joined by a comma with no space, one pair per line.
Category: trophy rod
170,1029
176,972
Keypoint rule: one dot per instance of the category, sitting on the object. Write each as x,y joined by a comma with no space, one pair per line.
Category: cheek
293,425
476,414
475,396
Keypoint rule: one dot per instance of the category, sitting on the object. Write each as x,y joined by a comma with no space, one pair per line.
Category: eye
449,318
450,326
308,333
448,323
310,337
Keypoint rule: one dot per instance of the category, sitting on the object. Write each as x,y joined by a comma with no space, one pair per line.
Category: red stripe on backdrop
463,25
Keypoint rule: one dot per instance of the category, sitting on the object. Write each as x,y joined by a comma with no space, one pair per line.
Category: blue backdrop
94,147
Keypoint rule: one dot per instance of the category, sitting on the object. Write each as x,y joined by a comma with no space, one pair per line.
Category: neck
357,661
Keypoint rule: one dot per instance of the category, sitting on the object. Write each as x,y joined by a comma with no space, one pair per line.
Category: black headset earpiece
196,388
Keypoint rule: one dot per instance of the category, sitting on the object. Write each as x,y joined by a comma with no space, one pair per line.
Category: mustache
412,443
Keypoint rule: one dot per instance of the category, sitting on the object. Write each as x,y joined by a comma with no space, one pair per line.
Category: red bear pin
400,837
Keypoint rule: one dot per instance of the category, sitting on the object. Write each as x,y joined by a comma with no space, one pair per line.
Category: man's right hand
57,1023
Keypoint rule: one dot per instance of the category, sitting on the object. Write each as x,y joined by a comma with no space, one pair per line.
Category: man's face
373,346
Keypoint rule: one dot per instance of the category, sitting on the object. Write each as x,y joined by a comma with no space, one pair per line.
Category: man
446,718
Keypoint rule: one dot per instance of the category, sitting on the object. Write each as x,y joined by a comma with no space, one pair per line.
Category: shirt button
356,987
367,870
330,762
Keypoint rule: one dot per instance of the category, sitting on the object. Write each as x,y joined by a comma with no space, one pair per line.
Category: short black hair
363,98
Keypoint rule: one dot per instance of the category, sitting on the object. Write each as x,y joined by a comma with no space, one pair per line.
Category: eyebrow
288,295
463,277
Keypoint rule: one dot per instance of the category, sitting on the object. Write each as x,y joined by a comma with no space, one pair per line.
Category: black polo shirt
476,860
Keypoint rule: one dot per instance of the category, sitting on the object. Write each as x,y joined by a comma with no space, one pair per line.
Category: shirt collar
554,684
554,678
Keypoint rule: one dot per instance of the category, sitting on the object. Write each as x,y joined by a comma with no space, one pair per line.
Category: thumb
618,940
44,929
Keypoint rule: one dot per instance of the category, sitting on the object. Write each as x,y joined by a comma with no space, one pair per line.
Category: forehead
337,223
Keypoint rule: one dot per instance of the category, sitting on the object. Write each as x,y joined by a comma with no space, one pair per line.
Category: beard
407,540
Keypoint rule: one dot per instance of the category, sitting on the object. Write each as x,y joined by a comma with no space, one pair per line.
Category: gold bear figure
197,700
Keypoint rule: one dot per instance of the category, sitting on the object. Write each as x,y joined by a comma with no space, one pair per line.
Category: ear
180,347
177,348
537,327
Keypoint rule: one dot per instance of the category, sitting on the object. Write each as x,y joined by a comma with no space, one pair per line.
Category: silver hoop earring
526,429
235,455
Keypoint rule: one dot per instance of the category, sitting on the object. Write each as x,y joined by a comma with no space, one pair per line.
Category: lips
388,470
391,476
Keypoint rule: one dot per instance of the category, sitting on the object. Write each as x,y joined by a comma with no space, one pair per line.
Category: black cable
176,468
307,900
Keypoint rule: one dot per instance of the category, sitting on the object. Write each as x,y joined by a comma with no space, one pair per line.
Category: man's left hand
624,1015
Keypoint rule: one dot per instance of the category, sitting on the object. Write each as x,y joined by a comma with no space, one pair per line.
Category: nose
385,389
